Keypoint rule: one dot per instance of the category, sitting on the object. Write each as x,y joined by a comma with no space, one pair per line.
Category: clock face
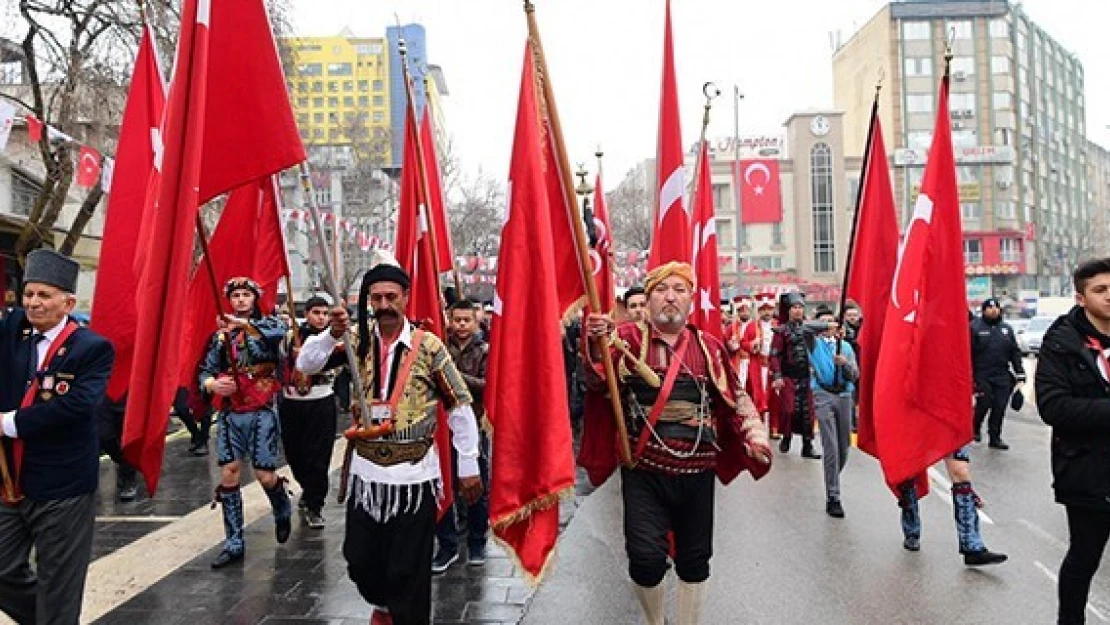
819,126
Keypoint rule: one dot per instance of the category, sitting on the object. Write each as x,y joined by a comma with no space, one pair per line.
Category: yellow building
340,92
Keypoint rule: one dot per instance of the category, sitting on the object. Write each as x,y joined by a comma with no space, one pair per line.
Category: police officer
994,352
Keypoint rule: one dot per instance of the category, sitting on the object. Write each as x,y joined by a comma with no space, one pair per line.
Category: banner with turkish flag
534,463
923,386
874,257
34,128
248,241
707,269
601,256
88,167
113,306
672,235
437,206
228,122
760,190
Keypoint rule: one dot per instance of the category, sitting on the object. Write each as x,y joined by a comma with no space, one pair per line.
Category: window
333,87
317,87
776,233
1000,65
969,210
771,263
922,103
363,101
379,100
973,251
311,69
1000,29
1010,250
302,87
348,100
961,29
368,48
24,192
725,231
348,85
821,189
379,85
919,66
364,85
339,69
916,30
318,102
961,102
722,198
963,64
333,102
1002,100
318,118
379,117
919,139
302,103
1005,209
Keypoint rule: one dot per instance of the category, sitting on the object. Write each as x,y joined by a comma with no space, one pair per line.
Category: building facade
1098,197
1017,110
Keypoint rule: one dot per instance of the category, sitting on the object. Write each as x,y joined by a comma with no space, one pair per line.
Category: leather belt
389,453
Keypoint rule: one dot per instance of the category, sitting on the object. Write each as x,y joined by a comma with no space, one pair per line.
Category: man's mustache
385,312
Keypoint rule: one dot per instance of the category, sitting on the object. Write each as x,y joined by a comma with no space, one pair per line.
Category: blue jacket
61,447
825,375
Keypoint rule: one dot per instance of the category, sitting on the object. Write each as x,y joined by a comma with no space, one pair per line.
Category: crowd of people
696,409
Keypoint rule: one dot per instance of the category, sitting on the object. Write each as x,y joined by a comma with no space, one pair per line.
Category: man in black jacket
55,375
994,350
1073,396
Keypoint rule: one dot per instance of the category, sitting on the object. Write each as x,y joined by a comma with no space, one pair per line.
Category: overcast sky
605,58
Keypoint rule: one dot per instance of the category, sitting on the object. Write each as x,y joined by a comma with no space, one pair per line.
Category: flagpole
446,222
424,213
210,269
333,287
710,91
865,162
611,303
578,229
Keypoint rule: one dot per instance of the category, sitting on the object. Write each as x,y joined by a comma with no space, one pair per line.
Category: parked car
1029,339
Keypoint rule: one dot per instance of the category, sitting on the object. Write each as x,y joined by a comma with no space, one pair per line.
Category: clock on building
819,126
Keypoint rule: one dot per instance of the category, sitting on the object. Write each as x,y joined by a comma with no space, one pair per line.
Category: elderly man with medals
55,375
240,371
688,421
394,469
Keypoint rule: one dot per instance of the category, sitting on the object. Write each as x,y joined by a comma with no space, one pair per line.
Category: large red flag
707,268
113,306
874,257
672,237
248,241
415,255
571,291
534,463
923,383
227,123
760,191
602,254
438,208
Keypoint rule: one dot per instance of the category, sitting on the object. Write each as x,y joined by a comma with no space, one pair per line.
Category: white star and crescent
757,167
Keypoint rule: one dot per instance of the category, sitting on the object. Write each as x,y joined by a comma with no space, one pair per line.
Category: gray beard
670,319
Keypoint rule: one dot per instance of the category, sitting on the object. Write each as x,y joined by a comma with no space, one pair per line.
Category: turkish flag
923,387
113,305
672,237
760,191
438,207
248,241
227,123
534,463
874,256
707,268
601,256
415,255
34,128
88,167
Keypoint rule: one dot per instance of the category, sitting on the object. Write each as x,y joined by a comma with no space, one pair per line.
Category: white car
1029,339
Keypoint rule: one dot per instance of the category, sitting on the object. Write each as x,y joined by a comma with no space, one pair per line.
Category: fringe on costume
384,501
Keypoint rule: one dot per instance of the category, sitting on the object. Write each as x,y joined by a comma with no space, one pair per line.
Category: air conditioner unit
957,126
968,113
957,113
959,76
1005,184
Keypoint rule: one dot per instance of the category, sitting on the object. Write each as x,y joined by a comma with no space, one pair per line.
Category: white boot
690,597
651,600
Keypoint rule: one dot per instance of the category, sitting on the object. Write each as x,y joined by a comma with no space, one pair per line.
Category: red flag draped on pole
672,236
707,268
438,208
571,290
602,254
113,306
534,464
873,260
923,386
227,123
248,241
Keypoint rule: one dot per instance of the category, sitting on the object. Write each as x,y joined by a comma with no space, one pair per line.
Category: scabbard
345,471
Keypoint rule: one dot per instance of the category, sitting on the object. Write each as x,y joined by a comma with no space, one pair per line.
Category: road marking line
138,519
121,575
945,485
1052,576
1044,534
